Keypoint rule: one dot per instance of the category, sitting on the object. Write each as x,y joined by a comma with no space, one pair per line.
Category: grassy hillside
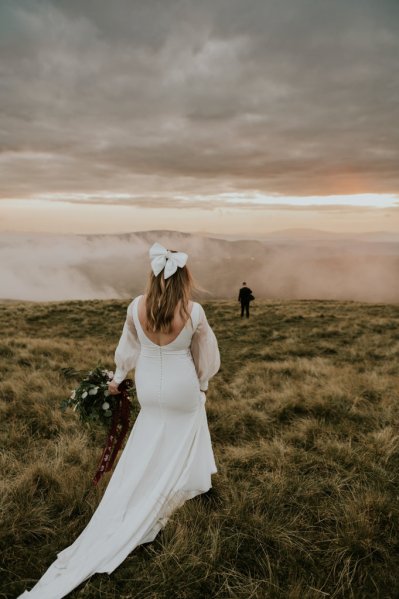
304,418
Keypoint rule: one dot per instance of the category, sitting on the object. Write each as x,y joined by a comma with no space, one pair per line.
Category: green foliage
303,416
91,398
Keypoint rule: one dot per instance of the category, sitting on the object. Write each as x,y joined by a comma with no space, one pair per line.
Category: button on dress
167,459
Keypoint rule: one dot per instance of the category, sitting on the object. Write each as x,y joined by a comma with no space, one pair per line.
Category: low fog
45,267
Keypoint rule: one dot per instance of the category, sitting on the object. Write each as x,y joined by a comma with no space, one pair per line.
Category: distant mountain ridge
293,233
60,267
297,234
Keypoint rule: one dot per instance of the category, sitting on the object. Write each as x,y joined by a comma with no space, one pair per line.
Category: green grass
303,416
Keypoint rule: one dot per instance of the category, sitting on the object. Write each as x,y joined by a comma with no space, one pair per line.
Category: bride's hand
113,388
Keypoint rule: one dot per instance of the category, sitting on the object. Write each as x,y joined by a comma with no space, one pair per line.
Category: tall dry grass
304,420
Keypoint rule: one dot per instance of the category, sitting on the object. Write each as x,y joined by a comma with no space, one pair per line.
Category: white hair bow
163,258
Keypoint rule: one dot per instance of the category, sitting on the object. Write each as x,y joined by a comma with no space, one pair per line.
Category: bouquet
94,404
91,398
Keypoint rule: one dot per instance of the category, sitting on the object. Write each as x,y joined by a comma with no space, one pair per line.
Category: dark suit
243,297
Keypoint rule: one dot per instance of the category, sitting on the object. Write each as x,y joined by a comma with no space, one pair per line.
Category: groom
244,298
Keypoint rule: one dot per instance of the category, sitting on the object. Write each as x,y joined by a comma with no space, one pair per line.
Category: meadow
303,416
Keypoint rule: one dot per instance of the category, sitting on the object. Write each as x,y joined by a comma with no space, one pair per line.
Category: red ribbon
120,420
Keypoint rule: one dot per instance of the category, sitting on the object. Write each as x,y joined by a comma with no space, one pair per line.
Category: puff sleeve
128,348
205,351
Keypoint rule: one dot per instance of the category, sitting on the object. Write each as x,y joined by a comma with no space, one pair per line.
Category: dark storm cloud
294,97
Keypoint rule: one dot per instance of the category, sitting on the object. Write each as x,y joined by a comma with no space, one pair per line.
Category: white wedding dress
167,458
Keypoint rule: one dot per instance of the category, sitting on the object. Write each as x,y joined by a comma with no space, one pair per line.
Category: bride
168,456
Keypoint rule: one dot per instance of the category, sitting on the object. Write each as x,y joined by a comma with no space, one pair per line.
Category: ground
303,416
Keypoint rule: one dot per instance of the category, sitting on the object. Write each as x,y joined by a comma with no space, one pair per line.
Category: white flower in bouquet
93,391
110,374
105,405
84,394
73,394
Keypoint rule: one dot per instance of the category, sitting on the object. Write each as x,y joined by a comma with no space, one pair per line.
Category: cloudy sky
251,115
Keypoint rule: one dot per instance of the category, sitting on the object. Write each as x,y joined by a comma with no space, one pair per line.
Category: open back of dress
167,458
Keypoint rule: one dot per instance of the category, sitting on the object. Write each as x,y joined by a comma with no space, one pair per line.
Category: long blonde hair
162,297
